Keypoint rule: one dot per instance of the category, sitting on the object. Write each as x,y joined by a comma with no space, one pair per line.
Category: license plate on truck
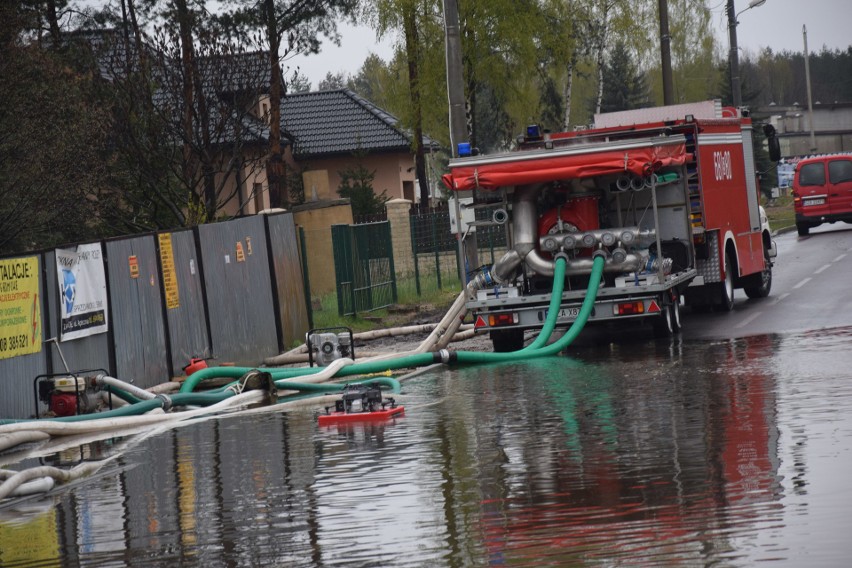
807,202
563,313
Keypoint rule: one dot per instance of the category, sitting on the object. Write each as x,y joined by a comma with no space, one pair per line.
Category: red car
822,191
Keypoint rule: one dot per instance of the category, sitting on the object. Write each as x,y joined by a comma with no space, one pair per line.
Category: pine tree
624,86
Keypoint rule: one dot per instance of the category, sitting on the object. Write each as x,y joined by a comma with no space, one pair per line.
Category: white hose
67,428
12,485
41,485
322,376
59,444
451,321
61,475
17,438
125,386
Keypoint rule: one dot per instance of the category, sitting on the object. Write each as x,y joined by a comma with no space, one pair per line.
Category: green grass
407,306
780,213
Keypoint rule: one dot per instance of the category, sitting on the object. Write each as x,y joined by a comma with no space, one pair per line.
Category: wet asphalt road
811,290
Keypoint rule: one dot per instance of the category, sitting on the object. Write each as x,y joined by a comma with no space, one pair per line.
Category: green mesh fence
364,267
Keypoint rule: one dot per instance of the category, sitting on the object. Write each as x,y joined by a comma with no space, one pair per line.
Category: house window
257,191
264,110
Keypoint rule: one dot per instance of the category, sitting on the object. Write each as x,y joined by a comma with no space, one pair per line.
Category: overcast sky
776,24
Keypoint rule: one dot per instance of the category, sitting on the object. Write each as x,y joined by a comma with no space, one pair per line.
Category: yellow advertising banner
167,261
33,540
20,314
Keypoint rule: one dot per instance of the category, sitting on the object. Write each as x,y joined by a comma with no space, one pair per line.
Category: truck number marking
722,166
563,313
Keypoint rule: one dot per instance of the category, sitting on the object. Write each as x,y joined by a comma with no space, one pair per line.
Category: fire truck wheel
725,289
507,340
675,308
803,229
762,289
664,323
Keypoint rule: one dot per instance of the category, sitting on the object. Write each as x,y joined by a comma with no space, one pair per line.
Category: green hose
535,349
122,394
138,407
553,308
561,343
390,382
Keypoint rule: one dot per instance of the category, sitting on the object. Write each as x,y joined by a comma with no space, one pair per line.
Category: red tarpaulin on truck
573,164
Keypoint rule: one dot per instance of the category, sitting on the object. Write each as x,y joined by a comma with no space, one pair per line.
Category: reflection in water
646,453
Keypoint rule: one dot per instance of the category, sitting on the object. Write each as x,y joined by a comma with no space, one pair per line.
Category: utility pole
666,53
468,256
810,98
733,56
455,82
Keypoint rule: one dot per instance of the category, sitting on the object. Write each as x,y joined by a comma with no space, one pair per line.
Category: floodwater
642,453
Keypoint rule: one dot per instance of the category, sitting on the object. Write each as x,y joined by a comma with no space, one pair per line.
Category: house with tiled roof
336,129
322,132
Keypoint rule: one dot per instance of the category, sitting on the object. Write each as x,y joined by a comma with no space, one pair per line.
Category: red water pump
576,215
68,394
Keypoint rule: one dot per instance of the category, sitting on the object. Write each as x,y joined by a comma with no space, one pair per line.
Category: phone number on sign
13,342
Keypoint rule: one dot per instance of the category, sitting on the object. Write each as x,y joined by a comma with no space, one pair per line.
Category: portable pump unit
325,345
68,394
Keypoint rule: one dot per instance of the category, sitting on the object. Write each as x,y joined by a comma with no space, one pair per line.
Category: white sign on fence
82,291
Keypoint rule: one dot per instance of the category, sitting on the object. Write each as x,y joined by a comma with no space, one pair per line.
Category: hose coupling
600,253
561,254
445,356
483,280
167,401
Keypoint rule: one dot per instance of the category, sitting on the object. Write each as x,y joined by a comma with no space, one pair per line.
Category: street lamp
736,92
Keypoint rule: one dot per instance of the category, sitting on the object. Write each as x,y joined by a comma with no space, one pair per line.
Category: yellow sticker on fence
167,261
20,312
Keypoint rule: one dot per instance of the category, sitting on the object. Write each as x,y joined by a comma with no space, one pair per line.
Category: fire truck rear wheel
664,323
675,308
507,340
803,229
725,288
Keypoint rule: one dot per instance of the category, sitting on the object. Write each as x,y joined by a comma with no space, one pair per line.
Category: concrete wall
399,218
832,128
316,219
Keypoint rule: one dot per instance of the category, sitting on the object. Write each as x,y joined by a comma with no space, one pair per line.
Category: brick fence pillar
400,225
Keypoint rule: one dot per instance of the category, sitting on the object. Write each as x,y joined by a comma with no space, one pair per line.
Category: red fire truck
668,195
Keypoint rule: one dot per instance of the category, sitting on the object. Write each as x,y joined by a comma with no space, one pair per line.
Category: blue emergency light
533,132
464,149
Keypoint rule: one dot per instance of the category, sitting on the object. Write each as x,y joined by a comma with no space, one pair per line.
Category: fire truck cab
668,195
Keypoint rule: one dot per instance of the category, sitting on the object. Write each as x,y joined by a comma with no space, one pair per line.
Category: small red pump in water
195,364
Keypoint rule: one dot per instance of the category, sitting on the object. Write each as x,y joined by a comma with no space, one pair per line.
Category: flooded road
722,453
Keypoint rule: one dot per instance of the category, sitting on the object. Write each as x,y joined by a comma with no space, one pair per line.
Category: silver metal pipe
525,220
627,236
632,263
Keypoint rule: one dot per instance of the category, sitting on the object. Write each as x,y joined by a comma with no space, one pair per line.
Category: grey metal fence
186,314
136,310
234,259
288,279
231,290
